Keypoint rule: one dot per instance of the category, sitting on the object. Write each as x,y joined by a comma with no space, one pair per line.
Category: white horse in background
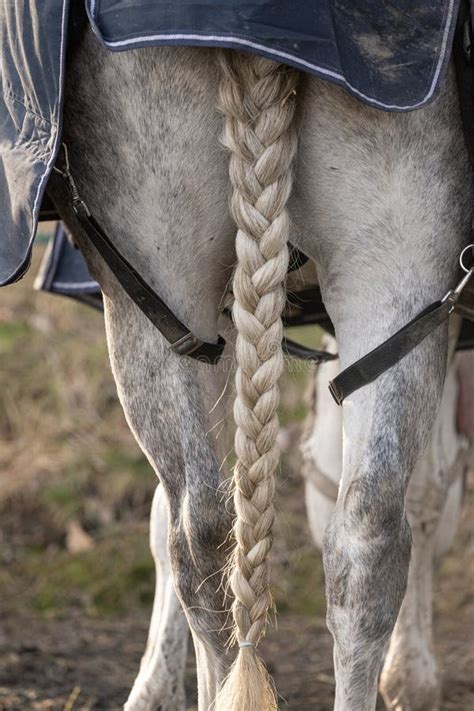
379,202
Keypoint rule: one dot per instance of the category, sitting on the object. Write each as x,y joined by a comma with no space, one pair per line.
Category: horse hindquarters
382,189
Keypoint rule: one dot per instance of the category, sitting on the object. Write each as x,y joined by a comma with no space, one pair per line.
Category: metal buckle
335,393
453,295
186,345
78,204
462,258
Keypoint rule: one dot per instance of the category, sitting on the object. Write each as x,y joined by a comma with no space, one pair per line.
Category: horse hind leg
410,678
166,401
160,682
366,261
321,449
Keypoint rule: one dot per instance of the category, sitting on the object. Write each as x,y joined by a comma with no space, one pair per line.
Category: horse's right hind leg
160,682
410,679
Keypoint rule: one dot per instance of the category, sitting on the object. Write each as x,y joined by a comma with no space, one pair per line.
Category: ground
76,577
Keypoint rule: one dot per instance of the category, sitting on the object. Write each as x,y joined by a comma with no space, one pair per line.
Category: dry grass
66,453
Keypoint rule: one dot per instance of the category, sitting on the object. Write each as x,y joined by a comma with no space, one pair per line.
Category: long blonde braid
257,97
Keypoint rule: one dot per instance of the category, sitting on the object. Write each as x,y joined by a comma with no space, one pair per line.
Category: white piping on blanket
223,40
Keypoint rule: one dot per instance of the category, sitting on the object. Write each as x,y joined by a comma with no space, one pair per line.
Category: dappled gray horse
378,201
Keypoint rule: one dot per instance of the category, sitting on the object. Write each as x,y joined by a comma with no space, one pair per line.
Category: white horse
379,202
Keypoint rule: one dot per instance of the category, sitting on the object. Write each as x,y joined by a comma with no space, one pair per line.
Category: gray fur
410,678
380,205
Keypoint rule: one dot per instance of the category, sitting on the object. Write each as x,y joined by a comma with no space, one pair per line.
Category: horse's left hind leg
160,682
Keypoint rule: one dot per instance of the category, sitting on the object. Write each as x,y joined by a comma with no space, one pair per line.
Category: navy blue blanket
391,54
63,271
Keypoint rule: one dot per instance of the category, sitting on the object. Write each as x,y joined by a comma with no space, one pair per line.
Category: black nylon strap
372,365
306,308
181,340
297,350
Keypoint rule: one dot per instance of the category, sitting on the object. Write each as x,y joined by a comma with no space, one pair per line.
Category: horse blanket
63,271
391,55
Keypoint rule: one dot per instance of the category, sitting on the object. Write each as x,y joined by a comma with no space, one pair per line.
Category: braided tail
257,97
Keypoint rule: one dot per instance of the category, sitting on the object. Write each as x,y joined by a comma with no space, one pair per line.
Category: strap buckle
380,359
338,397
190,345
453,295
78,204
187,344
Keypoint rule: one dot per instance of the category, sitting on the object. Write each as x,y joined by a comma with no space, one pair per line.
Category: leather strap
391,351
380,359
306,308
180,338
297,350
48,210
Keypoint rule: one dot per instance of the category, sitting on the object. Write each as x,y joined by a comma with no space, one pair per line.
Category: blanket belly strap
180,338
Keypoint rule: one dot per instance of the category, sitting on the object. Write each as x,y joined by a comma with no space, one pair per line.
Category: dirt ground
45,662
73,623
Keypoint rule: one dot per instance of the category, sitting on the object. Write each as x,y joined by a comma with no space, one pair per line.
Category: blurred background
76,575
